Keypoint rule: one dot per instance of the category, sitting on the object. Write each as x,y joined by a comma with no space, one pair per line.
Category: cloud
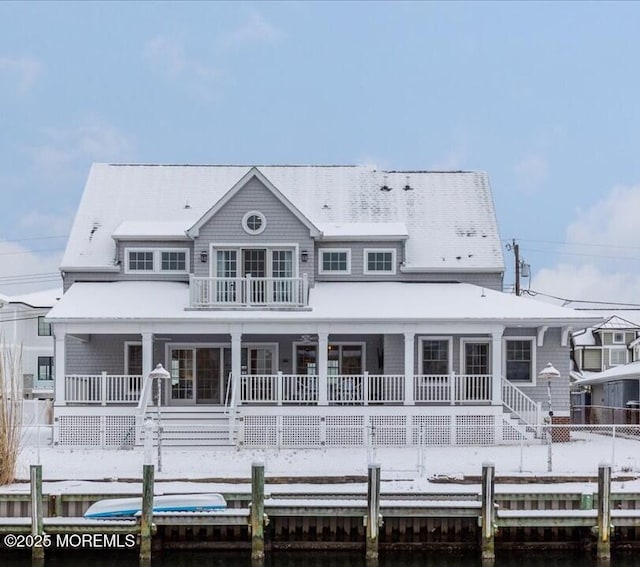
531,172
170,57
20,72
35,221
256,30
607,260
66,149
451,161
24,271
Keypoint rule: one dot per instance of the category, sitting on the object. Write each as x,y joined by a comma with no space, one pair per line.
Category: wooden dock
296,517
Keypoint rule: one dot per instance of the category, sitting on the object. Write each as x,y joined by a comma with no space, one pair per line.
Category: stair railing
519,404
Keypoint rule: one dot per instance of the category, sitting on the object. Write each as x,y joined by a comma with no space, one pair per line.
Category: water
319,559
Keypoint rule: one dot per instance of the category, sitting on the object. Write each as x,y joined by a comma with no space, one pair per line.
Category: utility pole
516,254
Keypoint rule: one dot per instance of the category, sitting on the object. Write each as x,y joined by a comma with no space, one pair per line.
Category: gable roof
251,174
631,370
449,216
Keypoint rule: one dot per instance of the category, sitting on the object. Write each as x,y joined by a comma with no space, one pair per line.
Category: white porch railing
102,388
452,388
359,389
248,292
521,405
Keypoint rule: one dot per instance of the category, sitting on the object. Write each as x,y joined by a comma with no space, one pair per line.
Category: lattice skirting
117,431
377,430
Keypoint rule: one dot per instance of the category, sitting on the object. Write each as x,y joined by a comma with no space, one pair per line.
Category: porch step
193,427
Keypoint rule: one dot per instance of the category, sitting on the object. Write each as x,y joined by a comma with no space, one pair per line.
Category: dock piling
488,518
146,519
35,473
257,512
604,513
373,513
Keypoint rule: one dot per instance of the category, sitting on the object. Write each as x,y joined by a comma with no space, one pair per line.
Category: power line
33,238
584,255
30,251
564,243
566,300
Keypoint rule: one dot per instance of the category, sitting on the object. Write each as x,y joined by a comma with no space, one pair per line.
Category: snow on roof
449,216
631,370
379,230
173,230
584,338
616,323
44,298
329,301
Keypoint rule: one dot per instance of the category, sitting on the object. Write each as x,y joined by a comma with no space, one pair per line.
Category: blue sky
542,96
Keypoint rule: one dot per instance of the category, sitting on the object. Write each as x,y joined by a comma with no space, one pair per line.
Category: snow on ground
577,458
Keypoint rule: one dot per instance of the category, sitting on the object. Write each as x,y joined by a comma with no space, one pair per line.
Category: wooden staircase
192,426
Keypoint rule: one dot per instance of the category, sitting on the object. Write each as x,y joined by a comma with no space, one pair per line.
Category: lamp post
548,373
159,374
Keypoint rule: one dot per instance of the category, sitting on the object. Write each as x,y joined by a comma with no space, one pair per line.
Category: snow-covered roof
449,216
359,230
329,301
616,323
631,370
584,338
44,298
145,230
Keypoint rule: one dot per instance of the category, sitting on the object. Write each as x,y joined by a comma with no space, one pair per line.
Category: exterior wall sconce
204,256
304,256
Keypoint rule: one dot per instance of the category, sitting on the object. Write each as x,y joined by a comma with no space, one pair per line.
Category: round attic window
254,222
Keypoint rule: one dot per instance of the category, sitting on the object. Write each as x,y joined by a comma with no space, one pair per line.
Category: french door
198,375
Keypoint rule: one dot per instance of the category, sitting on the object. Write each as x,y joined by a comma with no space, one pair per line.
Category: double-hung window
519,359
140,261
435,356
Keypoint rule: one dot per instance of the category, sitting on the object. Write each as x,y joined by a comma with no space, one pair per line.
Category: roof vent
187,205
325,206
385,187
407,187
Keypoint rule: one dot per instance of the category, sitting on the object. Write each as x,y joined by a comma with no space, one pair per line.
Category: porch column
323,364
236,363
409,365
496,368
60,364
147,354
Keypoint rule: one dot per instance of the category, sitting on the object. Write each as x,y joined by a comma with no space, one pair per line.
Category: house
606,345
298,306
25,332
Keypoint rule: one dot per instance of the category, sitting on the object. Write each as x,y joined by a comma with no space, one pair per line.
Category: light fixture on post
304,256
159,374
548,373
204,256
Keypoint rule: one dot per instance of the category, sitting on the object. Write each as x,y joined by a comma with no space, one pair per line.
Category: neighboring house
606,345
304,305
25,332
612,396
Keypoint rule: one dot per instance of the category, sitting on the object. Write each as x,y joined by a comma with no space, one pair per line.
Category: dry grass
10,412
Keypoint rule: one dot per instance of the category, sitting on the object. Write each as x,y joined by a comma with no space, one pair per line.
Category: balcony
248,292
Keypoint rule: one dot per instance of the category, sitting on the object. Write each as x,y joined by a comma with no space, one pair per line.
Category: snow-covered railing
363,389
452,388
521,405
248,292
103,388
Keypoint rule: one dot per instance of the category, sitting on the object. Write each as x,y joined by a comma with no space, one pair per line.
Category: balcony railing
248,292
102,388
